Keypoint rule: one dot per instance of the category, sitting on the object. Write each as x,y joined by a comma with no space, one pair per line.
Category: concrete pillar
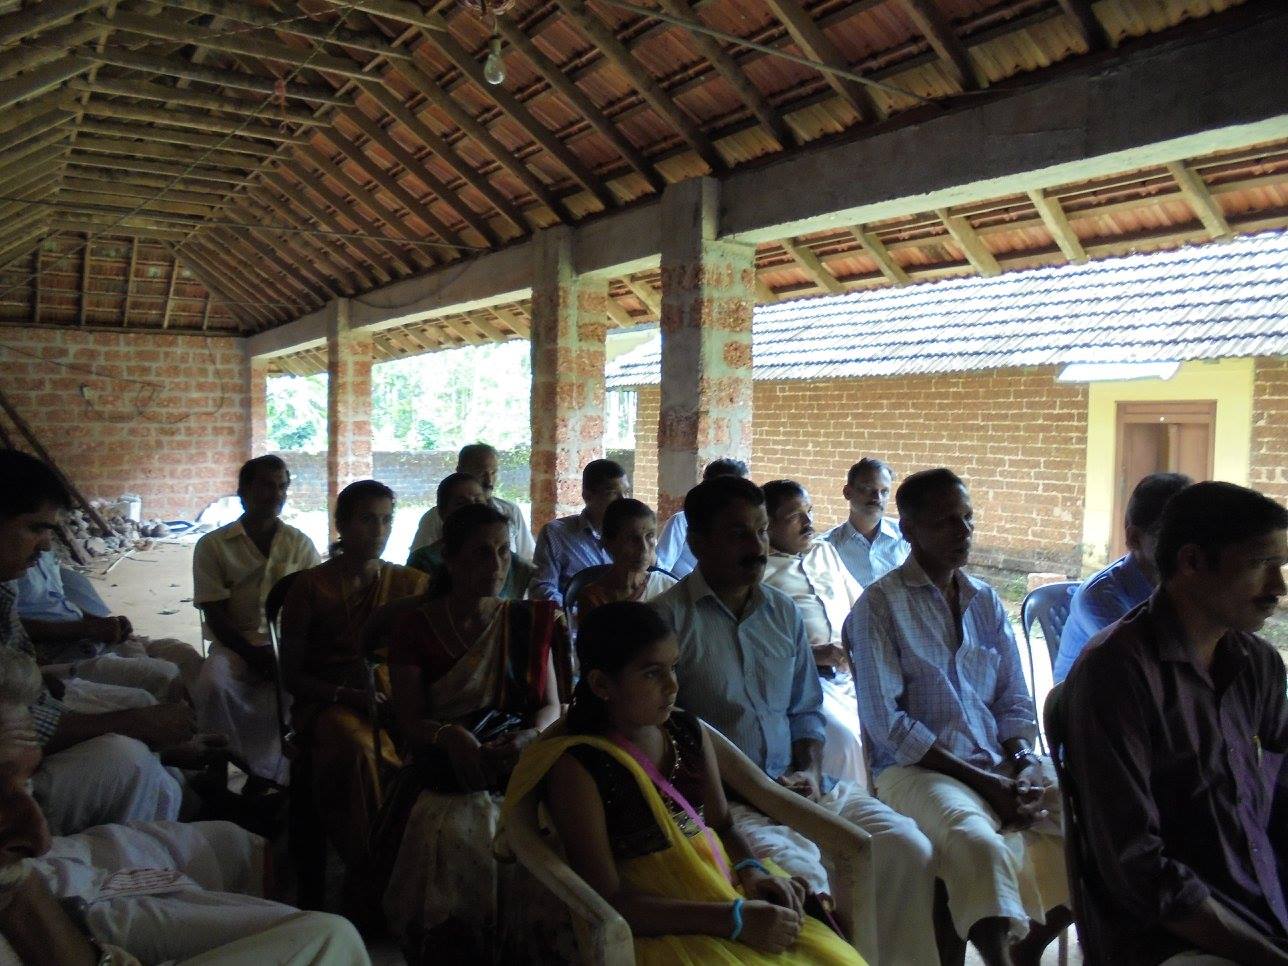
569,322
348,401
257,390
708,291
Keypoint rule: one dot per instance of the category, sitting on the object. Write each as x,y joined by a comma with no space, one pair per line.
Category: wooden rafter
275,246
226,147
937,29
813,266
877,251
197,122
42,16
40,80
649,89
169,295
35,284
1057,223
129,282
330,252
643,291
968,240
37,126
402,11
86,256
223,284
618,315
88,157
813,42
51,48
177,96
237,261
1087,24
58,99
1200,199
238,80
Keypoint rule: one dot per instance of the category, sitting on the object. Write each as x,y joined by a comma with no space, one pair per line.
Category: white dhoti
233,700
988,873
843,735
93,697
896,884
303,939
110,778
166,668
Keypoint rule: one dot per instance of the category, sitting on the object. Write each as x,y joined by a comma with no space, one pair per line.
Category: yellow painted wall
1228,381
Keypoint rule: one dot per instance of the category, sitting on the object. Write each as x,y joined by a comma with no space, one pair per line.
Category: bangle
737,920
751,863
438,731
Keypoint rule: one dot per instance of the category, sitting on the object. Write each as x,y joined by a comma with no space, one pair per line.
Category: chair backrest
1048,607
578,583
273,604
1078,866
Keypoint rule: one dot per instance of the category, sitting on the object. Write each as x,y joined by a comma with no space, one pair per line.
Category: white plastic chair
604,938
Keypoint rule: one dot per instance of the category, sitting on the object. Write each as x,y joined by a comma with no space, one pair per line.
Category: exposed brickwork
708,290
348,397
1268,465
644,482
257,403
163,416
1017,436
569,324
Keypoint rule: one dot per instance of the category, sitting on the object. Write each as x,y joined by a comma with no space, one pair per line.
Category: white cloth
233,700
843,734
988,873
896,889
430,529
1196,958
92,697
165,668
823,590
110,778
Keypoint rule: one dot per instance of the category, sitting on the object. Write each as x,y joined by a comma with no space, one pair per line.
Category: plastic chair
1048,607
589,574
604,938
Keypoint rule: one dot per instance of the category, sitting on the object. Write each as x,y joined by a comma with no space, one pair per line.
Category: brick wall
1015,435
1268,465
163,416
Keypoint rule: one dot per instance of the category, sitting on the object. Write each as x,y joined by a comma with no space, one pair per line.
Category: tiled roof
1208,301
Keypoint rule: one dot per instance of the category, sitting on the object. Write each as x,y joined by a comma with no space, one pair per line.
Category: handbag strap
665,786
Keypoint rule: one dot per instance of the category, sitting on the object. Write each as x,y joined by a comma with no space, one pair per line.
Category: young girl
634,791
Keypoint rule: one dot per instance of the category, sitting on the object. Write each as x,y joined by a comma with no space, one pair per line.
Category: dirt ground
153,588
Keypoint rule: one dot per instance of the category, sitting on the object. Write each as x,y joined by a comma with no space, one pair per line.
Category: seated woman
475,678
645,842
630,537
325,668
455,491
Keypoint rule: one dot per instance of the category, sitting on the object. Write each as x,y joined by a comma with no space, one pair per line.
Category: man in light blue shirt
944,703
1126,583
869,542
673,551
746,668
573,543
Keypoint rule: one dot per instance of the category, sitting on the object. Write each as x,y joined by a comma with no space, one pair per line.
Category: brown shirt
1167,765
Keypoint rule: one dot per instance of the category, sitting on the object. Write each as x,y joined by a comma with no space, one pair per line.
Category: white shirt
819,583
870,560
521,542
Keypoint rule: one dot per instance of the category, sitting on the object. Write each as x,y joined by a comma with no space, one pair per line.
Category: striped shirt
48,710
566,547
916,690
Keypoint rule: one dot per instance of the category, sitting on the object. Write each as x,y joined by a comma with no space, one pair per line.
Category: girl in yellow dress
633,788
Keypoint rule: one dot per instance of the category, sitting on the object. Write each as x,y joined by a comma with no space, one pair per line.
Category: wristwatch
106,955
1024,758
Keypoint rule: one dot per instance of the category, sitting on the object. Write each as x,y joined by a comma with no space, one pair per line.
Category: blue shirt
752,679
1101,600
870,560
47,592
915,691
566,546
673,551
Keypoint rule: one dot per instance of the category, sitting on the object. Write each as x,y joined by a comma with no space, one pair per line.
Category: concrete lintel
1168,100
306,332
620,244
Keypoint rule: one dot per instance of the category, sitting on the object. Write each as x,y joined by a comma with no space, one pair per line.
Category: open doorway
1160,437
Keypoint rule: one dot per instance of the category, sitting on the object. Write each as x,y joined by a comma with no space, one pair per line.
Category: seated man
455,491
869,542
673,551
950,721
145,887
71,626
482,462
573,543
746,668
1127,582
233,570
809,571
98,767
1168,714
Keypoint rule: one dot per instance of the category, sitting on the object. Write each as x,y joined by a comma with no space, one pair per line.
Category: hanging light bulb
494,66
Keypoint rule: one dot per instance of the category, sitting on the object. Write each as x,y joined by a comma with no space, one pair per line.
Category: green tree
296,413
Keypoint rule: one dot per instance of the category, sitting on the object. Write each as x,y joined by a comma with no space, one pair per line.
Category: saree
429,559
685,869
444,874
341,740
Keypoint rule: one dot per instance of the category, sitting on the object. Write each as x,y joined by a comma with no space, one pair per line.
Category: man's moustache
757,559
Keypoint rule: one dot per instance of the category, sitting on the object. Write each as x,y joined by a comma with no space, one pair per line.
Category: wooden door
1161,437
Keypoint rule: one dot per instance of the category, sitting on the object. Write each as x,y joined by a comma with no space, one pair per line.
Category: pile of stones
125,533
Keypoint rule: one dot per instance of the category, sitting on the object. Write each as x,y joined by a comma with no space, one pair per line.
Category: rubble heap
125,533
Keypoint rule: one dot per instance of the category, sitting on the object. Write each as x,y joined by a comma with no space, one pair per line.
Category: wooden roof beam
734,76
341,263
1057,224
232,268
18,158
189,98
814,43
968,240
581,102
116,227
602,36
129,281
136,186
813,266
86,258
1200,200
520,115
40,80
284,275
392,106
503,156
149,205
877,251
1086,23
937,29
163,152
216,283
175,67
198,122
15,117
618,315
36,126
52,47
169,295
203,142
416,208
402,11
270,244
42,16
81,159
420,171
300,27
23,246
765,295
651,301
